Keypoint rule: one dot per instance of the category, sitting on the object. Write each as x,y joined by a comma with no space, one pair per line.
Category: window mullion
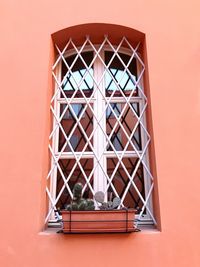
100,122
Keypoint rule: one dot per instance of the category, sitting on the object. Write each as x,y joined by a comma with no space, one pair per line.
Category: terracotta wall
172,30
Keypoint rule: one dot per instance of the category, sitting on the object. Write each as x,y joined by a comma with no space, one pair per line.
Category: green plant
110,205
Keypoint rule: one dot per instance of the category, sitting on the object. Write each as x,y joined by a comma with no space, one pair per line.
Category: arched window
99,135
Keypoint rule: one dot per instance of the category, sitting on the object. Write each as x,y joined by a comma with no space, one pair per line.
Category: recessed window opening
99,135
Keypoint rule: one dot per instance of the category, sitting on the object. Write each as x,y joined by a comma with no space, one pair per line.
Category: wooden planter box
98,221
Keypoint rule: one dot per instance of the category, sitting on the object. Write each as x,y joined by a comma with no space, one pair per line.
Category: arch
97,31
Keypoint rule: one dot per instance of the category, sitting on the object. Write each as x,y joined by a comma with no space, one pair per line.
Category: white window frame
99,183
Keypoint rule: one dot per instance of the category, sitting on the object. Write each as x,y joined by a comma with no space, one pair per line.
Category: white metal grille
99,134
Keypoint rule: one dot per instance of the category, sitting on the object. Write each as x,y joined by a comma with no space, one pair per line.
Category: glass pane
122,136
118,78
113,110
72,177
120,181
74,110
78,133
78,77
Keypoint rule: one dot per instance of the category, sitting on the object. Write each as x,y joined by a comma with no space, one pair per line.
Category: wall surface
172,30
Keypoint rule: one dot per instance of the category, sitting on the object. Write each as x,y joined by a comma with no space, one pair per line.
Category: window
99,135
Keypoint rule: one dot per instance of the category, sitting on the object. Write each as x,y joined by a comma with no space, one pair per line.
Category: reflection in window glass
77,82
77,76
74,143
122,80
75,125
117,142
77,108
119,77
117,109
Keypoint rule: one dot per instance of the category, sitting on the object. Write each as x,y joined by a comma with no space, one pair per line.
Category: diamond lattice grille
99,135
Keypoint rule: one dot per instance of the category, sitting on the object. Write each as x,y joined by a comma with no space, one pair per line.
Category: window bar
118,123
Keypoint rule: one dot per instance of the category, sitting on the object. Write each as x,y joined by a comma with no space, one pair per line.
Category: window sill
144,229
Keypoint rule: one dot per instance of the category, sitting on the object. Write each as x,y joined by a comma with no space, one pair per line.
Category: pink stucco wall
172,30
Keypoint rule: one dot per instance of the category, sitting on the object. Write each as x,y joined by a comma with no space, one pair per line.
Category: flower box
98,221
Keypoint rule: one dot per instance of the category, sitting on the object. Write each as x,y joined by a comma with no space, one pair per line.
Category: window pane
73,175
78,131
120,77
121,181
78,77
69,114
126,135
116,108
